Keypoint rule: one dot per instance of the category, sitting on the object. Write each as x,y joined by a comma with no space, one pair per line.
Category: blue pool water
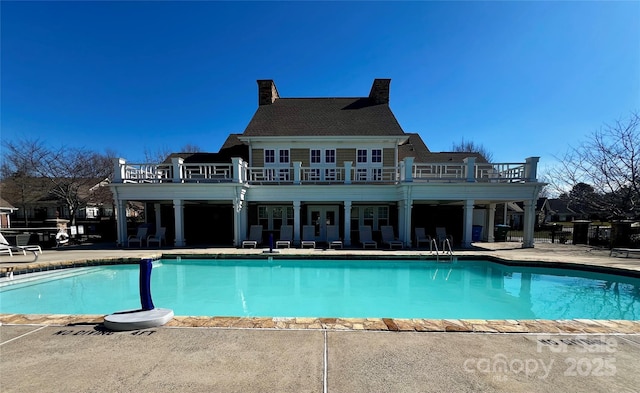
329,288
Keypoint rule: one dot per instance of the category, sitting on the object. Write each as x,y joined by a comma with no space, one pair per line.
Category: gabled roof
4,205
232,147
449,156
296,117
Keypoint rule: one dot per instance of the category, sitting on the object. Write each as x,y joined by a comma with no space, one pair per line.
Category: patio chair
389,238
286,236
5,247
442,237
158,237
333,236
22,242
138,237
255,237
308,236
422,237
366,239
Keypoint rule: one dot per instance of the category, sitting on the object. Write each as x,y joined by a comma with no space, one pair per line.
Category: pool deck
75,353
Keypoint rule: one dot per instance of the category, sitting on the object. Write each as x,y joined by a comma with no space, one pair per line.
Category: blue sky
521,78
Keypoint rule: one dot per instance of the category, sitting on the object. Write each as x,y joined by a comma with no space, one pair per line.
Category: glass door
320,217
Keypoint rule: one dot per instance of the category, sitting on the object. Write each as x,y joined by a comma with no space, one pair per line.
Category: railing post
408,169
471,168
119,170
177,163
531,169
297,170
347,172
236,169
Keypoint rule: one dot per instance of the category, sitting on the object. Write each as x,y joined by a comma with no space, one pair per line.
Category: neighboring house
37,206
320,162
557,210
5,211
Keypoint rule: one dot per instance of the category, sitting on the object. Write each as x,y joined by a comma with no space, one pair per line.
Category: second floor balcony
238,171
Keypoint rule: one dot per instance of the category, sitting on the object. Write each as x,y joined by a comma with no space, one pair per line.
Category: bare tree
69,174
472,147
160,154
609,162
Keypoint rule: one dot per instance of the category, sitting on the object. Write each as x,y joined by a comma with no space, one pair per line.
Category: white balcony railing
239,172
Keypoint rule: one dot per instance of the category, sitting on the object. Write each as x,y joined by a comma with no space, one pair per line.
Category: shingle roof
323,117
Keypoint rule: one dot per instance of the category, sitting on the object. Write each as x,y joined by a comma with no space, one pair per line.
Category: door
320,217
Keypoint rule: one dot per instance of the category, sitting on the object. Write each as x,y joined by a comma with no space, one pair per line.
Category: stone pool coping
571,326
512,256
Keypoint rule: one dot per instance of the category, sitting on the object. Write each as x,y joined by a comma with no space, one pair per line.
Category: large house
324,161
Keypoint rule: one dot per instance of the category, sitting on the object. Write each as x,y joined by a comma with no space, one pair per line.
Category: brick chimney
267,92
380,91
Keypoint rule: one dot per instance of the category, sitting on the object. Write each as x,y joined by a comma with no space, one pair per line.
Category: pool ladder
446,249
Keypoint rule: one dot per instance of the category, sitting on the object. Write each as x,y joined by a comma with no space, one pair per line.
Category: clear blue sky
521,78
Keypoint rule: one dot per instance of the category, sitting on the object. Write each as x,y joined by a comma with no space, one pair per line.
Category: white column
297,172
296,222
121,222
408,169
347,172
467,223
177,164
119,170
178,210
156,209
491,222
239,217
401,220
471,168
529,223
347,223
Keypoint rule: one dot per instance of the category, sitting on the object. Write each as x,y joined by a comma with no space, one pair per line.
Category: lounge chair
255,237
442,237
366,239
22,242
138,237
286,236
422,237
308,236
5,247
333,236
158,237
389,238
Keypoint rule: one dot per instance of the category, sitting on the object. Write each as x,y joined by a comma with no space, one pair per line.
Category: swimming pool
333,288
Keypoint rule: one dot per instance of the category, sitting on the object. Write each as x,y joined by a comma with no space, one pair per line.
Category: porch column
239,217
529,223
121,222
156,209
178,210
467,223
404,222
491,222
296,222
347,223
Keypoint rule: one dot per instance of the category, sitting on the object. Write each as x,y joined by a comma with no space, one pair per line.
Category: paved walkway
83,357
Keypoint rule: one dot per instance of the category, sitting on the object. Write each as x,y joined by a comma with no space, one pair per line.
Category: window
330,156
376,155
284,156
374,216
315,156
362,155
273,217
269,156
